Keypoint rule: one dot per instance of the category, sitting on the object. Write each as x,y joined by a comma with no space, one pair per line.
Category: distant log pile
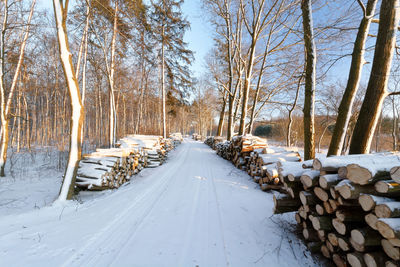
197,137
252,154
110,168
347,206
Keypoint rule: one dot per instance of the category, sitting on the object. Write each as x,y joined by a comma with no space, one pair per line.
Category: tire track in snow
218,208
88,254
189,231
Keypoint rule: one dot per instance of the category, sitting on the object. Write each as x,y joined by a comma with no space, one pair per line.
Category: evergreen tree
169,27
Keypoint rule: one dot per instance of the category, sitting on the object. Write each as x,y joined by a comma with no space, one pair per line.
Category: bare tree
61,13
357,62
377,84
6,102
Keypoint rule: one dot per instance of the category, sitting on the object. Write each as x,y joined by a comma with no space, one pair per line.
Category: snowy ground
195,210
32,180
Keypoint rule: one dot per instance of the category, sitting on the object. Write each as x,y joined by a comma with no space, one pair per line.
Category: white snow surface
195,210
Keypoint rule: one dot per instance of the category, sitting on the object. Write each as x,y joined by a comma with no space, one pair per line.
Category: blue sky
200,35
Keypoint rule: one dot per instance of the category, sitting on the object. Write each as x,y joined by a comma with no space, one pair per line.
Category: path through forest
195,210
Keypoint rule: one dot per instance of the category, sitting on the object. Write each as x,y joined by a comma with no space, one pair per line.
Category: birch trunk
376,91
67,188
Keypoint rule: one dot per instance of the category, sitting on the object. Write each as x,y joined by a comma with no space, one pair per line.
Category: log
325,251
391,251
328,208
339,260
333,239
388,210
310,178
352,191
363,175
307,198
329,180
320,209
334,163
362,248
344,228
344,243
368,202
333,192
389,227
395,173
366,236
297,217
322,223
356,259
375,259
388,187
321,194
350,215
331,248
283,204
371,220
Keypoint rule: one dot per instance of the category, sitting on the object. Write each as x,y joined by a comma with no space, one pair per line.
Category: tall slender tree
309,94
61,13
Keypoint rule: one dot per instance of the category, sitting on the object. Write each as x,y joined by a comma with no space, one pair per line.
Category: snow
195,210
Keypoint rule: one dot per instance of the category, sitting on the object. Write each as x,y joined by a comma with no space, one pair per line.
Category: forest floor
195,210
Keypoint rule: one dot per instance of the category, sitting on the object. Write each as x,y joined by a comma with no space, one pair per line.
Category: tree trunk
112,126
309,95
222,117
376,90
357,61
67,188
164,126
289,126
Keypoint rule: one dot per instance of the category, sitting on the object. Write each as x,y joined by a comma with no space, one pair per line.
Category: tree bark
67,188
357,61
309,95
376,90
222,117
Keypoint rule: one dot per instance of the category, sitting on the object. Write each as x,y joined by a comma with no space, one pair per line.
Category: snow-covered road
195,210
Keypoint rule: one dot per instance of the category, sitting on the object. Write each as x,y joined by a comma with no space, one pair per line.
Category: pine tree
169,27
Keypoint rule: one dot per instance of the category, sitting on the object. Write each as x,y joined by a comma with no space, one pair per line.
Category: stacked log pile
265,164
349,208
213,141
110,168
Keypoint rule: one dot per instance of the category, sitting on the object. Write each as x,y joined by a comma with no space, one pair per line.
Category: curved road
194,210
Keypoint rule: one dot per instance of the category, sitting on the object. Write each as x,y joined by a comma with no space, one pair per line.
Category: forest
299,98
320,73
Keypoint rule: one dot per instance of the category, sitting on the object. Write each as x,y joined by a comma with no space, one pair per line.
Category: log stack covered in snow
268,166
110,168
349,206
